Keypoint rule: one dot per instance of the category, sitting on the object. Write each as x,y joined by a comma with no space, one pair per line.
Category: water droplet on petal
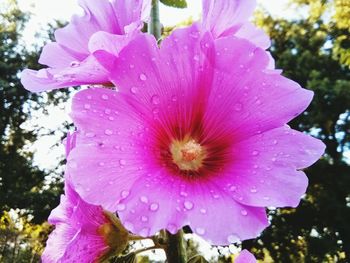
188,205
122,162
144,218
143,77
266,198
183,194
244,212
155,99
90,134
232,238
253,190
121,207
75,64
275,142
273,159
124,194
134,90
132,66
87,106
255,153
154,207
174,98
108,132
108,111
203,211
196,58
104,97
200,231
144,199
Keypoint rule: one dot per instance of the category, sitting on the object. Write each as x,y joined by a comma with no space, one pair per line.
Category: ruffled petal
57,243
255,35
264,169
87,72
162,201
56,56
222,16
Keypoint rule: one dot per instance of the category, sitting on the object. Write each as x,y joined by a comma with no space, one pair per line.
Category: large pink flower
69,59
196,135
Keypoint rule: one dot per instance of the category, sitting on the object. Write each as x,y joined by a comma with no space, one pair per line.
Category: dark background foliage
313,50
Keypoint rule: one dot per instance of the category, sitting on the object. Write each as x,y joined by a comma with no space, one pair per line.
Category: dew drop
155,99
200,231
101,164
266,198
188,205
104,97
124,194
154,207
183,194
275,142
87,106
131,66
203,211
174,98
273,159
232,238
134,90
253,190
144,199
75,64
144,218
233,188
90,134
143,77
122,162
244,212
196,58
108,132
255,153
121,207
111,118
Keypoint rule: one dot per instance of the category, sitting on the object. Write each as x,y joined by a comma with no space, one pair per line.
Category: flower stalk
175,248
154,26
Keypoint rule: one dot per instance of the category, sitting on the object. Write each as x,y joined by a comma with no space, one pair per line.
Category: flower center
187,154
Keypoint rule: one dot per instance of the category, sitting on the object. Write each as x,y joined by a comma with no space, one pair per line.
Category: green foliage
317,230
175,3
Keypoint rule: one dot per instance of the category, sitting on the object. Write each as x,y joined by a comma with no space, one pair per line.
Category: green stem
175,248
154,27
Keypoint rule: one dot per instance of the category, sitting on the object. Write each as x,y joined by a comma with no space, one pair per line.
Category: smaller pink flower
69,59
245,257
83,232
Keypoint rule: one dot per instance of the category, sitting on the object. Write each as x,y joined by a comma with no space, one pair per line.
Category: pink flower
83,232
69,59
245,257
230,17
196,135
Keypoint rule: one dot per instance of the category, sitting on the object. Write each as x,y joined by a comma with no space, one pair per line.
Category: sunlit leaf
175,3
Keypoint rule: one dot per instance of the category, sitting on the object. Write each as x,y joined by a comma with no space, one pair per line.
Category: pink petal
220,16
255,35
245,257
110,145
87,72
57,56
265,167
57,243
159,201
85,247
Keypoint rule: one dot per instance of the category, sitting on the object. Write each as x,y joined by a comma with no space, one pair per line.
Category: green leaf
197,259
175,3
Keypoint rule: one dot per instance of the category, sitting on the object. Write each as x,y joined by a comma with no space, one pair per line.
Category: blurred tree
22,185
308,50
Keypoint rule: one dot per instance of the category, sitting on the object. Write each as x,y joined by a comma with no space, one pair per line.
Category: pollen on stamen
187,154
